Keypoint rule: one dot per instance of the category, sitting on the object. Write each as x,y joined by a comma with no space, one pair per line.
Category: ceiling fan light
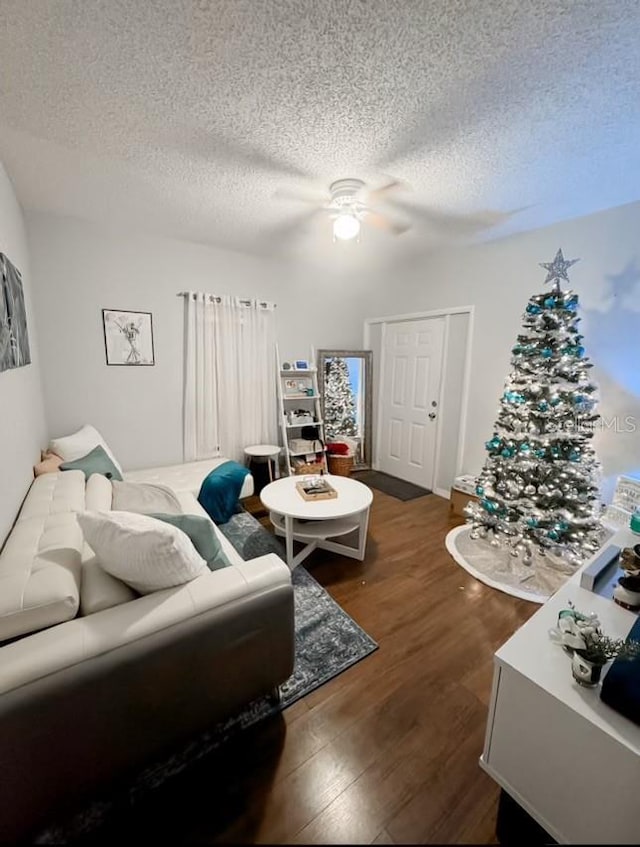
346,227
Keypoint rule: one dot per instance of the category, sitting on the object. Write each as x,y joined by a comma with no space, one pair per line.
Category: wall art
14,337
128,337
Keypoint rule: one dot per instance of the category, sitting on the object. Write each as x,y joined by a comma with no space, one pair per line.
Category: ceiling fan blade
315,198
291,226
249,156
213,146
459,223
391,187
380,221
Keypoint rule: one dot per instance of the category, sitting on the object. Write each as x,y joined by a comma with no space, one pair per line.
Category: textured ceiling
185,117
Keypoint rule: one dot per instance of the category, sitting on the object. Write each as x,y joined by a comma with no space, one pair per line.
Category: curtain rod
246,301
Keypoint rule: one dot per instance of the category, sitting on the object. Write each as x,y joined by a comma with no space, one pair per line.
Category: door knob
432,416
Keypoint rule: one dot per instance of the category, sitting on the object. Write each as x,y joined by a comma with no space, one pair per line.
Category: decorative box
302,445
465,483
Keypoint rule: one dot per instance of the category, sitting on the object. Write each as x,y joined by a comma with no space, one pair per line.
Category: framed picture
291,386
128,337
14,337
298,386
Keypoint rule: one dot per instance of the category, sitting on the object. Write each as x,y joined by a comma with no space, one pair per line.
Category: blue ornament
532,522
479,490
571,306
574,456
553,535
540,453
507,452
514,397
578,352
561,526
555,452
489,505
532,309
554,401
547,352
543,405
525,448
550,302
493,444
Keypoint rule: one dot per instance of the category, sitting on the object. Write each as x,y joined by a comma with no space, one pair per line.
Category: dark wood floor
388,751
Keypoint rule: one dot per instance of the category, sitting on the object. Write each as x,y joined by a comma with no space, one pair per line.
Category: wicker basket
308,468
340,465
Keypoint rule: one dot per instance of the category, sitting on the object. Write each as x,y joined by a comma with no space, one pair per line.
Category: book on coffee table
316,489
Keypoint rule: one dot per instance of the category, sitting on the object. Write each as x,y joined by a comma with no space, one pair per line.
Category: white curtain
230,376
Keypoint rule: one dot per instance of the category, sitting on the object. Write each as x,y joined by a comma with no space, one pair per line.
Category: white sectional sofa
95,680
186,477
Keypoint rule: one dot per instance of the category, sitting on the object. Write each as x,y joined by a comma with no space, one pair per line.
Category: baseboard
443,492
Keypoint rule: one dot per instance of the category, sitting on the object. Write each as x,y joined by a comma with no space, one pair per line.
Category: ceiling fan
349,204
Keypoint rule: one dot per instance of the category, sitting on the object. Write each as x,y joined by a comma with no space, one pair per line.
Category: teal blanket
220,491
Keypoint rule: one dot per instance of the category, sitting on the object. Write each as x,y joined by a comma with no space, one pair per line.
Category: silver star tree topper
557,269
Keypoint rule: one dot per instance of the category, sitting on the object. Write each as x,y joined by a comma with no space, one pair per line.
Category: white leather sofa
95,680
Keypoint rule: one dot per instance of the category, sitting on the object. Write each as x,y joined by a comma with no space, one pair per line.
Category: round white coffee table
315,522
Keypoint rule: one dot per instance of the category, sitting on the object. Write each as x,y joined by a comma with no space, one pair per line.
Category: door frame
466,380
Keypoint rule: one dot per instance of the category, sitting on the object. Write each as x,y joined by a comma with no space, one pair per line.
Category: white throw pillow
144,552
77,445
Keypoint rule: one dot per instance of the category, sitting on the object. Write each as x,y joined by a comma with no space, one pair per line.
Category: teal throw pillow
97,461
203,537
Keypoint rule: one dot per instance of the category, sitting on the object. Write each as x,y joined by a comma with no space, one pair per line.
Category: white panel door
412,354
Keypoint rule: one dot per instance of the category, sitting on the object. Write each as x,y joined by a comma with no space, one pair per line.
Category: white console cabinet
567,758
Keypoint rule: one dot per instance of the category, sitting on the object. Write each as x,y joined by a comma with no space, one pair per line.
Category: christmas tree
339,402
538,489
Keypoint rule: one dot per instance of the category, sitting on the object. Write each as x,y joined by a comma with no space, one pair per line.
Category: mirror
345,386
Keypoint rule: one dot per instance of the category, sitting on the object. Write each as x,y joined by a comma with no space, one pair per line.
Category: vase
627,592
585,672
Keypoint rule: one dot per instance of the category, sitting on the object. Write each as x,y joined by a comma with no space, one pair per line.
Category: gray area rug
391,485
328,641
250,538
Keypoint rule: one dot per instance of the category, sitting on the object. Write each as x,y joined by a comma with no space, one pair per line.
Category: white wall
498,278
450,412
80,268
22,426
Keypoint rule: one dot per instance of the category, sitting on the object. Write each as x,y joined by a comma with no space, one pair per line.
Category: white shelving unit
291,401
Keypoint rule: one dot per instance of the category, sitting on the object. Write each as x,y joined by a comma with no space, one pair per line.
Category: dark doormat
391,485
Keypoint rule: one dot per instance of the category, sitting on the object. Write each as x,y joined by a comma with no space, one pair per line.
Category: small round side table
257,455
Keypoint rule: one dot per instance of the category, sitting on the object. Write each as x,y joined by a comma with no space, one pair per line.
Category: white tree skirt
495,566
